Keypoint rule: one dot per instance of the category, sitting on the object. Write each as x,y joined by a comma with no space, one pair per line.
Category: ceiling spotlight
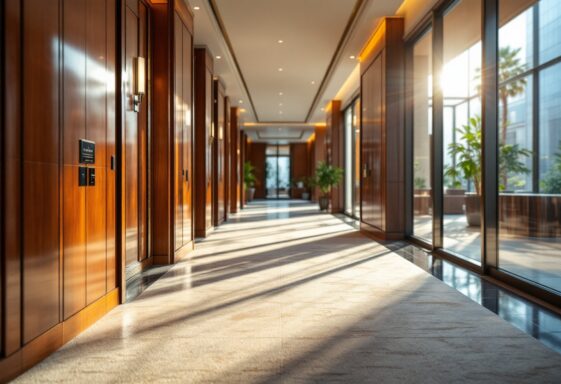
352,57
313,82
280,104
218,57
323,109
280,112
280,41
280,93
196,8
240,101
280,69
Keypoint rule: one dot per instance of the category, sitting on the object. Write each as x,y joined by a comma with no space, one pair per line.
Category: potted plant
467,152
249,180
326,177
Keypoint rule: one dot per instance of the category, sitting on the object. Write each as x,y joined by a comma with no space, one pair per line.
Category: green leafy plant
326,177
249,175
418,181
552,180
467,151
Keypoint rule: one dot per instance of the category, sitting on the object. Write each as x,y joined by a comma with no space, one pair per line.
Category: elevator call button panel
87,152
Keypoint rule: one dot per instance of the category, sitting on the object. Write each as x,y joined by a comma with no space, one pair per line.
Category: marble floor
283,293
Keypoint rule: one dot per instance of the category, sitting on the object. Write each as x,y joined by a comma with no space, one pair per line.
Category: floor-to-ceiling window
422,136
277,169
352,162
460,84
522,119
529,131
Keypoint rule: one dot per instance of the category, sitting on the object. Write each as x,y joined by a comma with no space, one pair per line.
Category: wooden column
243,150
256,156
334,150
227,157
234,160
204,139
219,145
319,155
382,132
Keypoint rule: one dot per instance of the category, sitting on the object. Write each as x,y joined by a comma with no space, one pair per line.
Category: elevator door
278,171
135,140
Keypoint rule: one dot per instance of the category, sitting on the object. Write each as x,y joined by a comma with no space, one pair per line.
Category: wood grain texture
334,143
203,142
41,156
234,161
218,164
12,155
227,157
299,167
383,132
257,157
319,154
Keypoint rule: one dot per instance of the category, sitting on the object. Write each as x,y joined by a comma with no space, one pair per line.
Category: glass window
530,141
422,132
460,83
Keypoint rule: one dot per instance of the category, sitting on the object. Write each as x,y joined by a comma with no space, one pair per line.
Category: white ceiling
311,31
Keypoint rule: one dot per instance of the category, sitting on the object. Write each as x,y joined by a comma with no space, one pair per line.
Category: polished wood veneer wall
219,155
235,176
204,139
300,167
256,155
334,151
382,133
60,258
172,187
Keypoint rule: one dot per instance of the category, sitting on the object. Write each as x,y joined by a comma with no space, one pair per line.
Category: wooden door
135,139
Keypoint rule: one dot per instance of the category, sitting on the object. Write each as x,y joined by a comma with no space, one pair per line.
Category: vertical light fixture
139,81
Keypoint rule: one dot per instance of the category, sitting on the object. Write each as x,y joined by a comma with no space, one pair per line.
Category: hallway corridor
283,293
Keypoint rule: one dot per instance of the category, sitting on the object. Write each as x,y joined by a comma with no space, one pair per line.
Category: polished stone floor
534,259
283,293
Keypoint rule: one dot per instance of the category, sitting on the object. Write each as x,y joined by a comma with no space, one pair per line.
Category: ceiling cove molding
260,137
359,7
214,8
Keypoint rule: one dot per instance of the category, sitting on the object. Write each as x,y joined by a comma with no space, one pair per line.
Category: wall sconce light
221,133
139,80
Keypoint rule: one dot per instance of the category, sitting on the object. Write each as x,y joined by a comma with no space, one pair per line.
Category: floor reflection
531,318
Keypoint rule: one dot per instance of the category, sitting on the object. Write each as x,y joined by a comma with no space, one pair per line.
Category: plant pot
455,191
300,184
249,194
473,209
305,196
323,203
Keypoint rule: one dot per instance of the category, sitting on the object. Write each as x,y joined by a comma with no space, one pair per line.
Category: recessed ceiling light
196,8
218,57
280,41
280,93
313,82
240,101
352,57
280,104
280,69
323,109
280,112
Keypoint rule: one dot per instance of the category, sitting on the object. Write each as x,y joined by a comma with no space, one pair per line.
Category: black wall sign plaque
87,152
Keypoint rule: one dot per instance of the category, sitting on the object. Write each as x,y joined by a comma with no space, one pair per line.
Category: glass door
278,171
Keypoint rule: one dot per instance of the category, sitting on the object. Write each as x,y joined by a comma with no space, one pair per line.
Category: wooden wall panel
242,148
335,143
299,166
227,150
74,242
203,142
41,167
12,218
162,138
319,155
382,133
96,236
257,157
234,161
218,154
110,36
